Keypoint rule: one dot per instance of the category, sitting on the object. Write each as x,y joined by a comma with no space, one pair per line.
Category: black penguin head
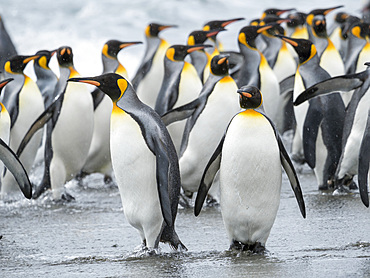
296,19
17,63
323,12
273,11
65,56
178,52
248,34
304,48
219,24
153,29
200,36
112,84
249,97
341,17
112,47
319,26
220,65
361,30
4,82
44,58
255,22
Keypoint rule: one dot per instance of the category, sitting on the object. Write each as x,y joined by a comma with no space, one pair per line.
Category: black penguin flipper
287,85
336,84
162,175
180,113
36,126
208,176
363,164
141,73
12,163
310,133
287,164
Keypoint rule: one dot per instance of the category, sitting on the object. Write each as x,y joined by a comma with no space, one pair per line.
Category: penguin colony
197,118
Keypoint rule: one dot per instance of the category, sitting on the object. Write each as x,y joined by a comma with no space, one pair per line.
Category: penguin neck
273,46
109,64
209,85
130,102
311,72
199,60
249,71
153,44
321,44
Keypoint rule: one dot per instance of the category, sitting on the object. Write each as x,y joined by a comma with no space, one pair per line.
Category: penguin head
17,63
65,56
341,17
112,47
275,21
361,30
178,52
248,35
44,58
273,11
200,36
220,65
249,97
319,26
219,24
304,48
323,12
255,22
296,19
112,84
153,29
4,82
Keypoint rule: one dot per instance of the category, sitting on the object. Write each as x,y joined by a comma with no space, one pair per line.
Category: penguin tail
41,188
170,236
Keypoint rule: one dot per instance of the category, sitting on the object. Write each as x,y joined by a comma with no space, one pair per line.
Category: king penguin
139,139
181,84
257,72
70,123
206,123
98,160
148,78
249,198
23,100
355,124
320,122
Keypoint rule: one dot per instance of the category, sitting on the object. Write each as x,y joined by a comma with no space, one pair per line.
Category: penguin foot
341,191
66,197
324,187
298,159
236,245
211,202
352,186
108,179
184,201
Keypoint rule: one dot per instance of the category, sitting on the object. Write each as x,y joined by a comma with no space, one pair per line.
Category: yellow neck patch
105,51
7,68
250,113
243,40
226,79
170,53
313,52
191,40
43,63
122,85
356,31
73,72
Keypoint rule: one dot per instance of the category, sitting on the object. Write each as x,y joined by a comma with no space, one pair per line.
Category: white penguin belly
99,153
250,179
300,111
134,166
363,57
207,132
349,160
71,136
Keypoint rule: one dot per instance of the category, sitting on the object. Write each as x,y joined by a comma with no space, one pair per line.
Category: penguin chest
285,65
331,61
250,178
134,166
72,133
300,111
363,57
190,85
4,124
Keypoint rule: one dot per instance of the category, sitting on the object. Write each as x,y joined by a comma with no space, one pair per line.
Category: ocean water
90,236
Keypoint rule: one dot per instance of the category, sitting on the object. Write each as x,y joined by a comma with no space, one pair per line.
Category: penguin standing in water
148,78
23,100
181,84
140,140
355,131
249,157
205,117
69,130
99,159
7,48
320,122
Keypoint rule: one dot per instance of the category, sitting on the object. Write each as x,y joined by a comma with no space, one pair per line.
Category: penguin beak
222,60
215,32
227,22
284,11
85,80
28,59
264,28
126,44
163,27
283,20
288,40
192,48
243,93
332,9
4,82
53,52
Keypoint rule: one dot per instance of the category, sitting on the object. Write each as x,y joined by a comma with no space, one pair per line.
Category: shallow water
90,236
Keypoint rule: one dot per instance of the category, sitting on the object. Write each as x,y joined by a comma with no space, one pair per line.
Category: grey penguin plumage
140,139
249,157
320,122
7,48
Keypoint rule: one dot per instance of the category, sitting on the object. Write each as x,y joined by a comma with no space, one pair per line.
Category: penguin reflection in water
144,161
249,157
